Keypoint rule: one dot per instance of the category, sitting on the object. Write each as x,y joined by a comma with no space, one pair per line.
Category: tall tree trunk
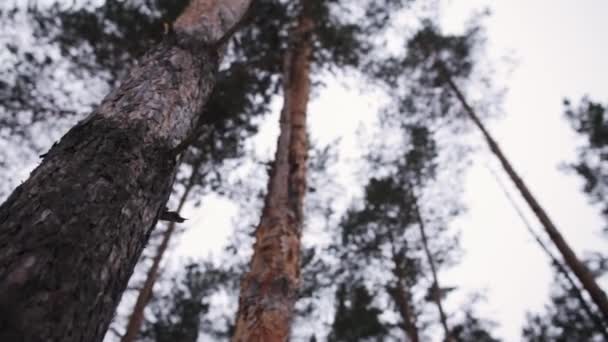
145,294
578,268
436,290
72,233
559,267
402,296
269,289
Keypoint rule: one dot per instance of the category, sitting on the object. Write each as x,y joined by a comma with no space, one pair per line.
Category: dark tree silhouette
564,319
588,119
355,305
77,226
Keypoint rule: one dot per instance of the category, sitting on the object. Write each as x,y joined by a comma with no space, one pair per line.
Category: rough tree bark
145,294
72,233
571,259
436,290
269,289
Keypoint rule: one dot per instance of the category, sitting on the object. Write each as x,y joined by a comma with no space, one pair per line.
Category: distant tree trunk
578,268
401,295
559,267
436,290
269,289
401,298
72,233
145,294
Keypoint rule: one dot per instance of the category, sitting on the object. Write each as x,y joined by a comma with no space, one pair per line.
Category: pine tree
316,38
390,230
569,284
473,329
442,60
564,318
589,121
76,227
269,289
400,228
235,100
355,305
96,46
242,89
178,314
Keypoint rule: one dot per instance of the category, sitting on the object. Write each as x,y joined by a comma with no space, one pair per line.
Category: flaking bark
269,289
71,234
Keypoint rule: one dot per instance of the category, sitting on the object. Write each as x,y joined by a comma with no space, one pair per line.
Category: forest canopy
262,170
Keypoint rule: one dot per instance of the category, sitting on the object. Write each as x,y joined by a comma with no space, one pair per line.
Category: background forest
412,229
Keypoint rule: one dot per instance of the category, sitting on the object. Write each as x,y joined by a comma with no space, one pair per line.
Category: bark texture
145,294
571,259
269,289
72,233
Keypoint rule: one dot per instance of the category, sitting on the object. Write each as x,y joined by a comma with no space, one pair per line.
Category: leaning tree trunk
72,233
559,267
269,289
145,294
578,268
436,290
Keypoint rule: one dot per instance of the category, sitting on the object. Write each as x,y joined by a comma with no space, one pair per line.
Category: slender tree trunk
269,289
72,233
401,298
401,295
436,291
145,294
578,268
559,267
